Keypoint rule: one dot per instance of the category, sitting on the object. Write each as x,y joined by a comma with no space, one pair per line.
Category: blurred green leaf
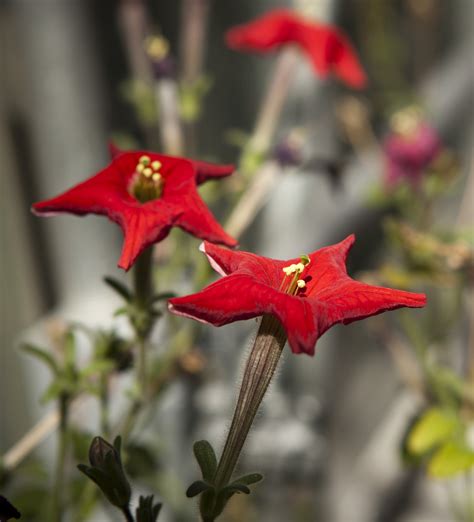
147,511
434,427
452,458
97,367
119,287
43,355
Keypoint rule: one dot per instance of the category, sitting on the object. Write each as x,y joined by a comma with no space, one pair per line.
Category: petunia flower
146,194
407,155
307,295
327,48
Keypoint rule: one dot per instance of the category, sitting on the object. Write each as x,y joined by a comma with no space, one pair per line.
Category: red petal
208,171
329,50
263,34
229,299
326,47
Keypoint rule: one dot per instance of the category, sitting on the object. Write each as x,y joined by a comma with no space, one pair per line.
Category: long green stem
143,290
259,370
58,488
104,406
127,514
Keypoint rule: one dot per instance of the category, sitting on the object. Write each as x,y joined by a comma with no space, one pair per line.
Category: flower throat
147,182
292,284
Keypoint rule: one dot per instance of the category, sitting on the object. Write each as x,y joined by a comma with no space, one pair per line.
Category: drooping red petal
265,33
328,49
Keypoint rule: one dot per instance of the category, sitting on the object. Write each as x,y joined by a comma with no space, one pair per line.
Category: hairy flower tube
327,48
307,295
146,194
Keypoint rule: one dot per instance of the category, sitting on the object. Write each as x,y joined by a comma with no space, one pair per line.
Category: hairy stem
259,370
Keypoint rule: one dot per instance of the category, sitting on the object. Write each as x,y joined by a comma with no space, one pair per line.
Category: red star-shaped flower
308,296
327,47
146,194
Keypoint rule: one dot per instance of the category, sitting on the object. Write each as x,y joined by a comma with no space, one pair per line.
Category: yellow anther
300,283
147,172
145,160
140,168
155,165
157,47
299,267
156,177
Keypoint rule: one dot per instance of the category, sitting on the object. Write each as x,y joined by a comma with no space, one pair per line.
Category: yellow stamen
155,165
300,283
156,176
140,168
147,172
157,47
145,160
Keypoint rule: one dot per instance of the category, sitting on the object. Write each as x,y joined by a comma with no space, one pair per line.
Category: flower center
147,182
291,283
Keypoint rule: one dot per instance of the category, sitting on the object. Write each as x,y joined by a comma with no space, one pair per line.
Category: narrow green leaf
250,478
206,459
236,488
452,458
197,488
100,366
434,427
42,355
119,287
163,296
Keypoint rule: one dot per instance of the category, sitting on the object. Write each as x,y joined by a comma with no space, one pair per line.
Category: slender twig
272,104
252,200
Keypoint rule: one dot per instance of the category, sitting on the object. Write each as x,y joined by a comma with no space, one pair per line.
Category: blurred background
329,435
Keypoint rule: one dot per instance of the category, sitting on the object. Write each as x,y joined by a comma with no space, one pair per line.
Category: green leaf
119,287
434,427
235,487
42,355
163,296
206,459
452,458
100,366
146,510
250,478
69,350
197,488
54,390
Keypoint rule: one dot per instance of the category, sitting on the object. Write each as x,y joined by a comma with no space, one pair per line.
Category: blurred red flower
146,194
308,296
407,156
328,49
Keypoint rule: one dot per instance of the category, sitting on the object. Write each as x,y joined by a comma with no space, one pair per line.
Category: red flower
328,49
146,194
308,296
